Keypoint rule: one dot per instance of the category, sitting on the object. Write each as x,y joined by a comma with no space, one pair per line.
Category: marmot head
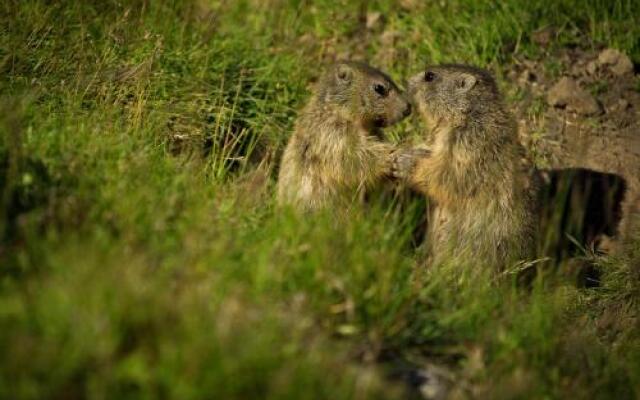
364,94
453,94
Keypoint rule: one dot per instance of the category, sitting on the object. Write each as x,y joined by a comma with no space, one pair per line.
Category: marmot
473,171
336,148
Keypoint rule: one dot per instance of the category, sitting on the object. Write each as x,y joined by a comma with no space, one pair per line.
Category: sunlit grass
142,255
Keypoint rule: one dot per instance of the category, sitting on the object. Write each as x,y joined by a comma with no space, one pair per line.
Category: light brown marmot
336,149
483,203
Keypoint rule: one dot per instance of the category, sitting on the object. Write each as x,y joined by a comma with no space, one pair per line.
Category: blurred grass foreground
141,255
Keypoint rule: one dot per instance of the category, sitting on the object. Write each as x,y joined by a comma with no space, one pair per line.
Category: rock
592,67
433,382
389,37
623,104
620,105
374,20
618,62
577,69
412,5
527,76
543,37
306,39
567,93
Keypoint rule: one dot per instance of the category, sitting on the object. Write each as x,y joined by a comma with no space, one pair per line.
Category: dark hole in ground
579,209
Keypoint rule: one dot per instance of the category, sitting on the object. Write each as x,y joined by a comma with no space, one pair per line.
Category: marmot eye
380,89
429,76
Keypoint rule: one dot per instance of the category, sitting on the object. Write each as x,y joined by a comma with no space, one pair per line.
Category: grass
141,255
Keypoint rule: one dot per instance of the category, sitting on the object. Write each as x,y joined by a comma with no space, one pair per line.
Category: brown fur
336,150
474,174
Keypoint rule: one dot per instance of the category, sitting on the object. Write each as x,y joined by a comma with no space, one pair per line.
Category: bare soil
579,109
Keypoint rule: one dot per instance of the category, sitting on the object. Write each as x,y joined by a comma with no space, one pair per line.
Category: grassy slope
141,254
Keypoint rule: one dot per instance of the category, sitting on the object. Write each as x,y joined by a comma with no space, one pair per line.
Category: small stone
433,384
543,37
527,77
608,56
623,104
389,37
374,20
618,62
592,67
567,93
411,5
577,70
307,38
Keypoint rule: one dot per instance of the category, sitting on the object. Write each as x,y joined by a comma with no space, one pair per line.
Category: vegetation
141,255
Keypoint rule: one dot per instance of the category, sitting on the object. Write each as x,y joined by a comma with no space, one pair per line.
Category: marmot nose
407,110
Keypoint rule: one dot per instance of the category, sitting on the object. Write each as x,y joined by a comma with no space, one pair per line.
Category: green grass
141,255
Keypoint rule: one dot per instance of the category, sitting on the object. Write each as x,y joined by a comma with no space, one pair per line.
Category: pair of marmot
471,171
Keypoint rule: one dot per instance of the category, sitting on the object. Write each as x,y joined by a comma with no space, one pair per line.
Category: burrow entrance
580,210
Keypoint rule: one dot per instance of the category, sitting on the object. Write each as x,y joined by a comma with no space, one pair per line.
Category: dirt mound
581,111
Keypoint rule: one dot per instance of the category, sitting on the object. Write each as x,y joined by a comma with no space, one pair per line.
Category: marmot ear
465,82
344,73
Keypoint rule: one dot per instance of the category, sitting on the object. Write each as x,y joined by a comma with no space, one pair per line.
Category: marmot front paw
404,161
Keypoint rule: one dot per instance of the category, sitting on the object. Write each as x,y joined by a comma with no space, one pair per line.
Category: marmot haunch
473,171
336,149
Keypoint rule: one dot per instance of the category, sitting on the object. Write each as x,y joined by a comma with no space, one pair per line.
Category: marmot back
474,170
336,148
